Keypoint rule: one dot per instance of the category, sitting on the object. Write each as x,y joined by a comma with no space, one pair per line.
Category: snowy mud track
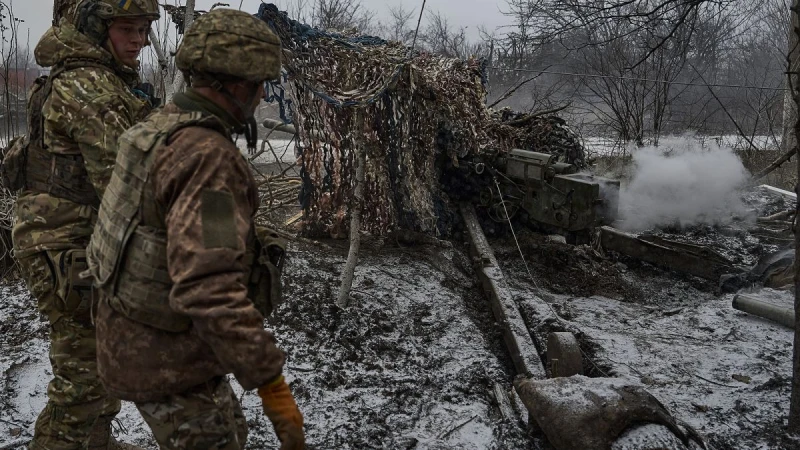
409,364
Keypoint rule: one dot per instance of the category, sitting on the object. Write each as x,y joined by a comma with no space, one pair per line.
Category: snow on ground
722,371
281,150
412,362
409,365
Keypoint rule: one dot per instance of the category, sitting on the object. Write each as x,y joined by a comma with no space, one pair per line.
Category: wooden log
778,217
776,164
504,403
518,339
294,218
791,196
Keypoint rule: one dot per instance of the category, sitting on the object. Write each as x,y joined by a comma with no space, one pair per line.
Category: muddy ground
412,361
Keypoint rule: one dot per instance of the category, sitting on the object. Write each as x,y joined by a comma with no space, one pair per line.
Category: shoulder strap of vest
47,89
158,129
72,64
201,120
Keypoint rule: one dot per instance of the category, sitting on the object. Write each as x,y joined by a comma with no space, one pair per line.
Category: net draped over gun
420,115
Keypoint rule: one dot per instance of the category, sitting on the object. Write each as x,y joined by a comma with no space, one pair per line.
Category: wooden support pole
355,213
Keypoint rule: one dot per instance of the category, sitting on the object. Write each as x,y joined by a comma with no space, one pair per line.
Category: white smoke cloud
682,182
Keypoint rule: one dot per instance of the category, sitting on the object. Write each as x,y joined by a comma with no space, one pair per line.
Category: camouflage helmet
93,16
226,43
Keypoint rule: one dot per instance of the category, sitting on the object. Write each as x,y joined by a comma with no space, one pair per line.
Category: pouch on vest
143,285
75,292
33,167
12,169
264,284
15,158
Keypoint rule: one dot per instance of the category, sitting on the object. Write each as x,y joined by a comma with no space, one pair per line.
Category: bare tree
13,73
794,404
400,25
300,10
342,15
441,38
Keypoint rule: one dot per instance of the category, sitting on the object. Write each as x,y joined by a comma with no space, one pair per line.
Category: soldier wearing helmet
76,116
185,276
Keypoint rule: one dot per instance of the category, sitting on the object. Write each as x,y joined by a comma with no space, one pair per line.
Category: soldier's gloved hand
282,411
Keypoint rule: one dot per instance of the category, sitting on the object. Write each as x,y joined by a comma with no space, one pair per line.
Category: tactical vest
28,165
128,259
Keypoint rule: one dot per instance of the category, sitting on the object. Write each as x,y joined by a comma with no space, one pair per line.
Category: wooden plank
504,403
515,334
294,218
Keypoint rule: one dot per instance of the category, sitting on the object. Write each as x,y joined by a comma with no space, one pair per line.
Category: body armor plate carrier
128,259
28,165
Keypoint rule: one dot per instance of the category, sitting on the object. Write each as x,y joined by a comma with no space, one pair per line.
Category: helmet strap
250,125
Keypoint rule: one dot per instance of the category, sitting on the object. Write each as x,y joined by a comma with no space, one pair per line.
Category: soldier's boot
102,439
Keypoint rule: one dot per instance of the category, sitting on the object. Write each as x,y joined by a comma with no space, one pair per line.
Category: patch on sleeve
219,220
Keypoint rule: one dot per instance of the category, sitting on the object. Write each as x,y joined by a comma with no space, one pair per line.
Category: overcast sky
37,14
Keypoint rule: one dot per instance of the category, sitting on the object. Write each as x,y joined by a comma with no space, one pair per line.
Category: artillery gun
547,194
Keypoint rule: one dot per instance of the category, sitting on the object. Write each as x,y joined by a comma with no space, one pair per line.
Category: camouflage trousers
207,416
76,397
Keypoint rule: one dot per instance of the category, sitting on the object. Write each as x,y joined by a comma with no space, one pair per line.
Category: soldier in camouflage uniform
185,276
84,106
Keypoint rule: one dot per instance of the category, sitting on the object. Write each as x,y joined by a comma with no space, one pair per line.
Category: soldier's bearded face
128,37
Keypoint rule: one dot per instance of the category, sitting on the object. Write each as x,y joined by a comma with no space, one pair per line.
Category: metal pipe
769,311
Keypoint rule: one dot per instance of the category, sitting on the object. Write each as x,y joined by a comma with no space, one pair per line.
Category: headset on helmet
93,16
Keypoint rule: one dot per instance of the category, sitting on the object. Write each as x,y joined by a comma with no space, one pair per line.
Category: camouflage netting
414,114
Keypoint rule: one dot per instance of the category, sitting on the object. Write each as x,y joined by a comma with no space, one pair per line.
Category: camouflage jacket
205,265
87,111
